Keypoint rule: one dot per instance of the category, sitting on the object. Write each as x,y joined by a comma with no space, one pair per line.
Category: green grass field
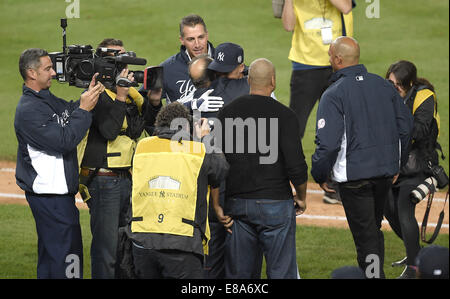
408,30
319,250
414,31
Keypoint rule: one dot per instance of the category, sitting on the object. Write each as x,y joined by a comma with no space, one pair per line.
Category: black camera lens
138,76
86,68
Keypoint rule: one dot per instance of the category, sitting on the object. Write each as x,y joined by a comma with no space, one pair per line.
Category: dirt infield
317,212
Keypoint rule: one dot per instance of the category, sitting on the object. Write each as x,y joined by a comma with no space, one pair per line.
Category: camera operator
48,130
116,125
418,94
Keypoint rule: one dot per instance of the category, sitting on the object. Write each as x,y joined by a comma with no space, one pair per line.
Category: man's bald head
198,71
261,77
343,52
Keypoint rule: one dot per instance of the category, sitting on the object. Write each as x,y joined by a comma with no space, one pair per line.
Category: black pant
400,211
214,267
174,264
363,203
60,246
307,87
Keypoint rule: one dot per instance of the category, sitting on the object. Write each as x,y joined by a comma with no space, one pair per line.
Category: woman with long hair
418,94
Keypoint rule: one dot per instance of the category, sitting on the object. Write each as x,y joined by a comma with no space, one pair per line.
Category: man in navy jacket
194,41
177,85
362,137
48,130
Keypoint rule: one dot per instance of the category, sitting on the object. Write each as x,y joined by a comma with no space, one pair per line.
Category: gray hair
30,59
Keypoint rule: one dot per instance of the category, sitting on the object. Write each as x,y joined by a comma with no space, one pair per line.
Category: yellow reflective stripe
421,96
81,147
119,151
207,229
133,93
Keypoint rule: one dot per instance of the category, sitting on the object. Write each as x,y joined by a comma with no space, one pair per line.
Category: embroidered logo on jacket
321,123
62,119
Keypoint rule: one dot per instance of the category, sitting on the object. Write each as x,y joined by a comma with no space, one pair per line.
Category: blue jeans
110,199
261,226
60,247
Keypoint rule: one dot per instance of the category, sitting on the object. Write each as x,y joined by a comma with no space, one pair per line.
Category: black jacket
107,125
424,133
271,154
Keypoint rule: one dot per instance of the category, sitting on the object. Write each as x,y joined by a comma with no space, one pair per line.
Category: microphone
131,60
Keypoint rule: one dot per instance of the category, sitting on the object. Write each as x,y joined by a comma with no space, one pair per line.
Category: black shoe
408,273
332,198
399,263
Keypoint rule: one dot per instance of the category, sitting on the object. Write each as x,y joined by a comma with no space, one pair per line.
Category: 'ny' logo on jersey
220,56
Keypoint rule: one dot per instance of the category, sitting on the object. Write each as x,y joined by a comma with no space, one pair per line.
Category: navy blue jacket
363,128
176,83
48,130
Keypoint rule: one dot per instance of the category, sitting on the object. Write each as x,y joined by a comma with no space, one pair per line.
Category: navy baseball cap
227,57
348,272
432,262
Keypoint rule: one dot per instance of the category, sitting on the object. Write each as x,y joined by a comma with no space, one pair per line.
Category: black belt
90,172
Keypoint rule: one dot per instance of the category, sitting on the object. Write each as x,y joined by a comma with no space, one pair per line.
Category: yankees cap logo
227,57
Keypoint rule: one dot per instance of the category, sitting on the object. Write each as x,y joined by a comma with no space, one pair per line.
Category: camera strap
425,220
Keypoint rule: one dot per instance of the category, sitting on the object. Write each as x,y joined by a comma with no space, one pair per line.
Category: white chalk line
435,199
22,196
306,216
311,191
340,218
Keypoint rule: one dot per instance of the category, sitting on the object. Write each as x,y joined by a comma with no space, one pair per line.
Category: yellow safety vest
120,150
164,195
307,46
